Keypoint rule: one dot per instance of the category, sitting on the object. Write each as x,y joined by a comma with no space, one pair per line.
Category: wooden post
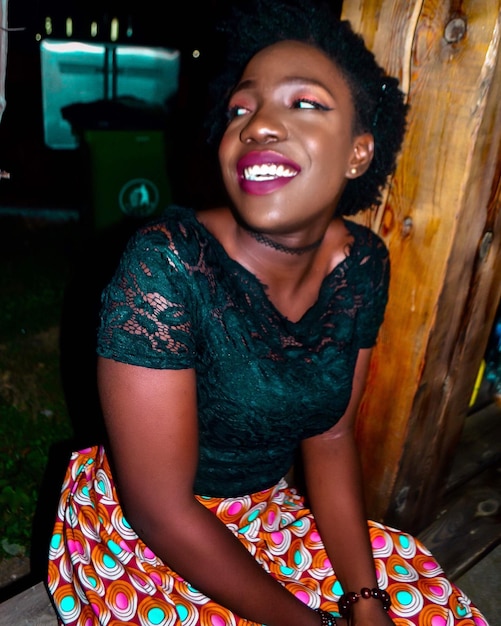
441,220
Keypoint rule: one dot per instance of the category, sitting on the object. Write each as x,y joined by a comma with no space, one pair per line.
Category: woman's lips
263,172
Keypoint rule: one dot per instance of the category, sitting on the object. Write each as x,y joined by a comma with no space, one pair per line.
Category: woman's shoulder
217,220
365,239
173,219
176,228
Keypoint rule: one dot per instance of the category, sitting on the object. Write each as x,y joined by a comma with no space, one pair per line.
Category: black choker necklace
267,241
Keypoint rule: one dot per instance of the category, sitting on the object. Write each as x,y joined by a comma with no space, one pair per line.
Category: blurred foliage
34,270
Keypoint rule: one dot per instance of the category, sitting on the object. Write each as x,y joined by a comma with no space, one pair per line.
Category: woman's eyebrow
286,80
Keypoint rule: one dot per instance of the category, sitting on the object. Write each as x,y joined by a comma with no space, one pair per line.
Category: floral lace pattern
179,301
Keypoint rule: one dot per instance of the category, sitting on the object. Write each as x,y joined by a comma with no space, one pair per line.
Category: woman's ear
362,155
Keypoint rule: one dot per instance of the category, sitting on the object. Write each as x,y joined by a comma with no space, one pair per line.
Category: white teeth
268,171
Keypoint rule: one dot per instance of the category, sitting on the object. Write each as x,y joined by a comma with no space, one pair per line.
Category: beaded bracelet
327,618
348,599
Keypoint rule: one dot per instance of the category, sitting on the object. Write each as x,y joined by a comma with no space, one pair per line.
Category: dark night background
48,178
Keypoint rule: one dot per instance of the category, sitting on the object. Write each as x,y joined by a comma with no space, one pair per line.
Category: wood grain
469,524
441,220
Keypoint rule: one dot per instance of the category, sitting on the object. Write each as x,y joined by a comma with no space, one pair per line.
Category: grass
34,270
51,277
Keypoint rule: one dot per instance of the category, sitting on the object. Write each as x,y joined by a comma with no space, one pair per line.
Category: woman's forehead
294,50
294,59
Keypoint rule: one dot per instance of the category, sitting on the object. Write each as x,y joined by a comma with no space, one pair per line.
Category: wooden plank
32,607
481,584
442,223
469,525
479,447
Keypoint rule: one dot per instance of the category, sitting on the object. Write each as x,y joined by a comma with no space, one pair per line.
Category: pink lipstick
262,172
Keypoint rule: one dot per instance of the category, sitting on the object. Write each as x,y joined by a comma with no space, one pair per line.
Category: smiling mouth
267,171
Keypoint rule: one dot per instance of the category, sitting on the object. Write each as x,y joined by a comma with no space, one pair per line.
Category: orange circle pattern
101,574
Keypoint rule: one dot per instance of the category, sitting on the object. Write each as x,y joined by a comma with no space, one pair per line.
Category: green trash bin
125,162
128,175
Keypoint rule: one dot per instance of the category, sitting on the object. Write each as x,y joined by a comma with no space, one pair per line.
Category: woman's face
289,147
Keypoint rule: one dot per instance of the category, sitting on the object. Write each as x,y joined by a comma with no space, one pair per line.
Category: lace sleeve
145,315
376,267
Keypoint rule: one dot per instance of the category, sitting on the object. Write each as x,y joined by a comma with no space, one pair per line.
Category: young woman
233,339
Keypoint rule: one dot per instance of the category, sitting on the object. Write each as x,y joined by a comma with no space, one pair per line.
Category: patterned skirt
101,573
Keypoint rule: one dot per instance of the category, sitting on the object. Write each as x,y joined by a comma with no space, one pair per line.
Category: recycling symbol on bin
138,197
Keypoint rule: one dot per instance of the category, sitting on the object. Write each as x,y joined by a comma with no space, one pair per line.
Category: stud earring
353,171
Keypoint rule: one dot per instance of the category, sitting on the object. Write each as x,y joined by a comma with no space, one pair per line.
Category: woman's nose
264,126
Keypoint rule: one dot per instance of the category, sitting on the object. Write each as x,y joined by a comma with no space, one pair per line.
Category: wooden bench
468,526
31,607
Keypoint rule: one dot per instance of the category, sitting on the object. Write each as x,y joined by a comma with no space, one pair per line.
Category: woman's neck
294,250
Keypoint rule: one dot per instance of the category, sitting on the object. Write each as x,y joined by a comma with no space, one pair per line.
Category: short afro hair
379,103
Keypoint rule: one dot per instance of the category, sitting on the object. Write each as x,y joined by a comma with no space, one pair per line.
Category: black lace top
178,300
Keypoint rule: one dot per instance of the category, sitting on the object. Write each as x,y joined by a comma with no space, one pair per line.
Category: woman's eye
305,103
235,111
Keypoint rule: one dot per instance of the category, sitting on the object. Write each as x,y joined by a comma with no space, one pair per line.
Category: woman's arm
334,484
151,419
